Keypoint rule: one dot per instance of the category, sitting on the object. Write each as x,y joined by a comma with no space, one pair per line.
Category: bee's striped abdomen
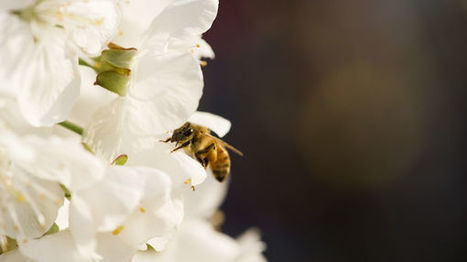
221,167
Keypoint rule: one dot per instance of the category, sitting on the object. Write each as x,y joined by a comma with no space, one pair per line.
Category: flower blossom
114,192
40,41
164,81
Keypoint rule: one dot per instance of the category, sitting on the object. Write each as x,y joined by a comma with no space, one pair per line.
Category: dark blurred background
351,117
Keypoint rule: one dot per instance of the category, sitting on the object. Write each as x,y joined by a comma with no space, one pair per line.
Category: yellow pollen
198,45
193,188
188,181
192,51
142,210
20,197
120,33
117,230
204,63
99,21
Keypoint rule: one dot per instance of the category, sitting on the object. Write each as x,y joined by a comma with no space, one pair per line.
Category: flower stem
72,127
83,62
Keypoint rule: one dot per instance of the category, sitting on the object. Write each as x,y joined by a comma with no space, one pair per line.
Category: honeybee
207,149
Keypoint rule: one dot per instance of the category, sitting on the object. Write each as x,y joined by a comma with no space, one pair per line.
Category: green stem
72,127
84,63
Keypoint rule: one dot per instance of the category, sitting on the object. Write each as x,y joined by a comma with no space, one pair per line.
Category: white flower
136,19
39,45
61,247
133,204
31,171
165,83
197,240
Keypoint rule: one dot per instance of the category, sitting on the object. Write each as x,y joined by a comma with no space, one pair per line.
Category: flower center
21,194
27,14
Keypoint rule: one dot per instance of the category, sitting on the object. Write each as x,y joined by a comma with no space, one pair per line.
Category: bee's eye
188,132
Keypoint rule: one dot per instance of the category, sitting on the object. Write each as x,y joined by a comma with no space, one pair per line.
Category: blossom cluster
89,88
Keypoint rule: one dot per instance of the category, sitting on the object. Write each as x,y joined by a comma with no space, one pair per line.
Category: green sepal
87,147
66,192
11,244
52,230
113,68
150,248
118,56
120,160
114,82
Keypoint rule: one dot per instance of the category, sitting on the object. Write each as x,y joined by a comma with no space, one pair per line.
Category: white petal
63,215
14,256
28,204
166,90
206,199
113,249
91,98
48,81
61,247
11,118
218,124
30,208
197,46
57,247
251,247
15,4
92,23
129,202
117,129
159,221
204,50
83,227
65,161
198,239
113,199
16,43
137,16
185,18
183,170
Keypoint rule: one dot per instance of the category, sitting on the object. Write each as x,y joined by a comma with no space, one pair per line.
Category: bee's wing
222,142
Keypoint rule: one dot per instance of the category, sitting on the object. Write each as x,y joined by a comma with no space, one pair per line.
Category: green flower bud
113,68
120,160
114,82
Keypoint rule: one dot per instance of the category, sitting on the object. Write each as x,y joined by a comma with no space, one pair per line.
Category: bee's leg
206,155
166,141
181,146
202,161
212,153
207,149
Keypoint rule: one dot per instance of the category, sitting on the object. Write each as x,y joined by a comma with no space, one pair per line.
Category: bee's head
183,133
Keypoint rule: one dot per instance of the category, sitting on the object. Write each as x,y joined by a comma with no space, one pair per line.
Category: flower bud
113,68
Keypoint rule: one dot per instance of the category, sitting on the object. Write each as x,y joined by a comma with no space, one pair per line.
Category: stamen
117,230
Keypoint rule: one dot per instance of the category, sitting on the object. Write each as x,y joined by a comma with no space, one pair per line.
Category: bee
207,149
